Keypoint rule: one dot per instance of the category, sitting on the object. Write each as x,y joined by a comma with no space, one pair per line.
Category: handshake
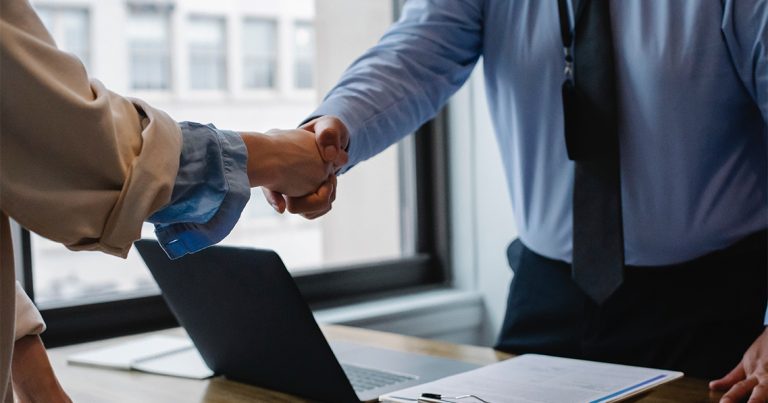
296,169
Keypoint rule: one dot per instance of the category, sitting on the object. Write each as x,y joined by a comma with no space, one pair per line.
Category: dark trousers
698,317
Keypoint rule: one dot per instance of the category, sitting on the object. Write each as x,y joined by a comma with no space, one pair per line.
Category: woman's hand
286,161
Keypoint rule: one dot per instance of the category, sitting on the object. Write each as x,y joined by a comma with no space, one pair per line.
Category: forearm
405,79
32,373
263,164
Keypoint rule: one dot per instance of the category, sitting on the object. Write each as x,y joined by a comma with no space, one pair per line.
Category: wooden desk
101,385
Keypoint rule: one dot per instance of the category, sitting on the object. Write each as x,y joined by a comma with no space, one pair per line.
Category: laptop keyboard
363,379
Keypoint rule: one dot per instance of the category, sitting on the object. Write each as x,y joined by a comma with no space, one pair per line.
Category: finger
739,391
737,374
312,216
330,133
310,126
759,394
275,199
334,183
313,202
341,159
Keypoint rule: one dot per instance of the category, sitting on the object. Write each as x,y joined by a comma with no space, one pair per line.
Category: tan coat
79,164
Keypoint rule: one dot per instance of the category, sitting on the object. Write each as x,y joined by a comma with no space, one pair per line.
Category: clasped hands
296,169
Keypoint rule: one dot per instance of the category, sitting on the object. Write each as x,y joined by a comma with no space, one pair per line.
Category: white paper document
535,378
166,355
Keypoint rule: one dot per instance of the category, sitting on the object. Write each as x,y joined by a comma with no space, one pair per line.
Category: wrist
263,165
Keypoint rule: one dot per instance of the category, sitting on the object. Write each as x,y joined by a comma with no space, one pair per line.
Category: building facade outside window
207,47
149,47
259,41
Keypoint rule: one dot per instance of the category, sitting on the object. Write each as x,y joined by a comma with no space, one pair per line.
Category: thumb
737,374
275,199
331,137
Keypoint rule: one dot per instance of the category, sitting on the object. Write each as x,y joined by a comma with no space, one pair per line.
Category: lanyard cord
566,34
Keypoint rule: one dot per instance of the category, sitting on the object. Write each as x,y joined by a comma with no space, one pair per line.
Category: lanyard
566,34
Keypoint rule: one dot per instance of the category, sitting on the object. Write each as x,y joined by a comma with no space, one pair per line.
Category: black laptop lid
247,318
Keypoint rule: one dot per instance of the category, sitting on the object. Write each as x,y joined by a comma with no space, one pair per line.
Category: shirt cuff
28,319
210,191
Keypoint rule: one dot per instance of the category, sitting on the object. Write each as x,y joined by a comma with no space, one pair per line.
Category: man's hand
286,161
750,377
332,138
32,374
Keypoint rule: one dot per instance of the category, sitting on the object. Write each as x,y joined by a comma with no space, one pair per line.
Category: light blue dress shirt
210,191
693,90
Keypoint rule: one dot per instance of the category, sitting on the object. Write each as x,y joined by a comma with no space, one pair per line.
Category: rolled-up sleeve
210,191
86,167
81,165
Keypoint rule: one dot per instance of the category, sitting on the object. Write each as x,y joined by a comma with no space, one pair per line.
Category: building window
304,52
70,29
149,48
207,53
259,53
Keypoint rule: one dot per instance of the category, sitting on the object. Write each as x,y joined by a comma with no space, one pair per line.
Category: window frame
424,172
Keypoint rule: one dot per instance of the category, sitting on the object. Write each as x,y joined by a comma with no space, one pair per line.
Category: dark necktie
590,107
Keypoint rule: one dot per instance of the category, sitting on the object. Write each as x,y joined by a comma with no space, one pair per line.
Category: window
62,277
304,51
70,28
149,47
207,53
386,229
259,41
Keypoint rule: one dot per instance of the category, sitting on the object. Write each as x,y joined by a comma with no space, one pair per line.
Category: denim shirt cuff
210,192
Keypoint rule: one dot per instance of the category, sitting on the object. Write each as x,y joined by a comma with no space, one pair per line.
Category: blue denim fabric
210,192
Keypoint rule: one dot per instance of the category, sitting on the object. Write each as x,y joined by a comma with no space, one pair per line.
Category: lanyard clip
568,71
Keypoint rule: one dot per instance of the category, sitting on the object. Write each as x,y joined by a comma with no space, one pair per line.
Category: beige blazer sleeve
28,319
79,164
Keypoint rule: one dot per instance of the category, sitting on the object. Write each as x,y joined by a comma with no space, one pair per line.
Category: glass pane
46,16
364,225
304,43
149,48
259,53
70,28
207,53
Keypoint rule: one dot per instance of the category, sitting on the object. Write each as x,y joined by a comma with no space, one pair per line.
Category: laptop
249,322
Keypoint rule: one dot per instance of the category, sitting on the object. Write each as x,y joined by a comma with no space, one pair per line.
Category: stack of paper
534,378
173,356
